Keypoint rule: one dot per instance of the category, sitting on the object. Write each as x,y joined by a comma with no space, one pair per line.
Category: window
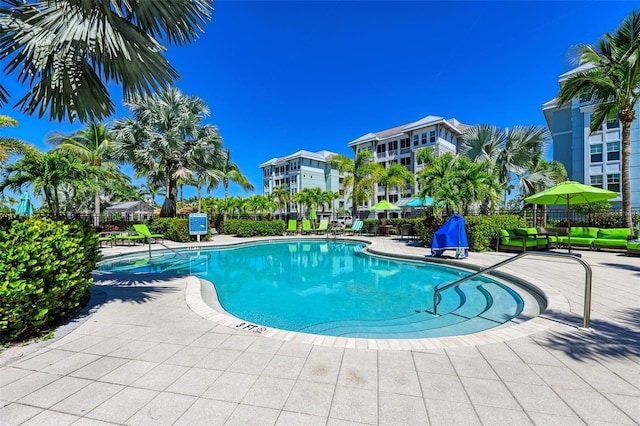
596,153
424,138
415,140
596,181
613,182
432,136
382,148
406,161
393,145
405,143
613,124
613,151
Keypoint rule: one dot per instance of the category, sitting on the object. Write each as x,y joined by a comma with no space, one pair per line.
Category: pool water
333,288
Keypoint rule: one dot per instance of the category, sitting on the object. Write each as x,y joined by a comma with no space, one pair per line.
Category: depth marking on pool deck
251,327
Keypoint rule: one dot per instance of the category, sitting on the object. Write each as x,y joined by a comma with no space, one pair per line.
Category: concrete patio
140,354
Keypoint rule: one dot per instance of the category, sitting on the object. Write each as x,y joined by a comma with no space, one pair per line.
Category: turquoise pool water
333,288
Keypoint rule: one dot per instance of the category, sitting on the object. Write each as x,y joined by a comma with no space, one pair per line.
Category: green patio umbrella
384,205
25,208
568,193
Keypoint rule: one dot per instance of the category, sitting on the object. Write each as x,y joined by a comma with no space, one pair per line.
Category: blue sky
314,75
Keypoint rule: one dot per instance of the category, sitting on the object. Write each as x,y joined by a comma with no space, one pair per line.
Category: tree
510,150
282,196
540,175
66,50
165,140
611,80
395,175
93,146
10,145
230,172
360,177
47,173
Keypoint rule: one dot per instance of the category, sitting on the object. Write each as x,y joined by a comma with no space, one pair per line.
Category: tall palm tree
360,176
282,196
93,146
68,50
510,150
164,139
541,174
10,145
611,81
395,175
228,172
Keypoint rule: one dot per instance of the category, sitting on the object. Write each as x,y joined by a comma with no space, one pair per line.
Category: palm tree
165,140
510,150
229,172
360,177
93,146
282,196
611,80
67,50
395,175
439,180
541,174
10,145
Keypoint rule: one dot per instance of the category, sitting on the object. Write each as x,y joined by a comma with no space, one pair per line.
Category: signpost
198,224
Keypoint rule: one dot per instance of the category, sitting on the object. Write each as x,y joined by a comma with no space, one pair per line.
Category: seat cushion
584,232
610,242
614,233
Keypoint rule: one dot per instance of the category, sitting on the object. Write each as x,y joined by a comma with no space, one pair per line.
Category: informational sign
198,223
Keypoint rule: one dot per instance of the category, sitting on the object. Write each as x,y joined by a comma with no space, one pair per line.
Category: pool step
473,301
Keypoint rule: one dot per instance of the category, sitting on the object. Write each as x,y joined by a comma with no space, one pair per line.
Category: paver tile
473,367
592,406
320,371
250,363
433,363
128,372
284,367
310,398
219,359
206,412
195,381
51,418
492,393
352,375
401,409
502,416
54,392
87,398
287,418
16,413
539,398
448,413
404,382
24,386
231,387
122,405
353,404
160,377
164,409
251,415
269,392
520,372
442,387
98,368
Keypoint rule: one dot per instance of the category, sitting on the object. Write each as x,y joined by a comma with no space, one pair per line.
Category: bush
253,228
45,273
173,228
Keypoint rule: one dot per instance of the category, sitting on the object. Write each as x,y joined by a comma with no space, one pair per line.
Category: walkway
141,355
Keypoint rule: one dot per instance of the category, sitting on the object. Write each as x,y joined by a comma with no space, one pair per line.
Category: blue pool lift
451,236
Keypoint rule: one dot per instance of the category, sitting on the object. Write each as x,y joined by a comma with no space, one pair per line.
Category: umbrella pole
569,224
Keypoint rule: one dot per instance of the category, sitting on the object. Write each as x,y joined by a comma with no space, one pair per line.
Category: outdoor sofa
522,239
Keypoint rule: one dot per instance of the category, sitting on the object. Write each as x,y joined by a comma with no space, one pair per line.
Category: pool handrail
587,283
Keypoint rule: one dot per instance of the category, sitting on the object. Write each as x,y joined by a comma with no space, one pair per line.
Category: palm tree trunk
225,184
626,179
169,206
96,205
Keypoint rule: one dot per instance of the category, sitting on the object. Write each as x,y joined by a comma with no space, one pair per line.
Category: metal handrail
587,283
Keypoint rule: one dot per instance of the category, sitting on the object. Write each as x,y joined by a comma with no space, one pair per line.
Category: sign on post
198,224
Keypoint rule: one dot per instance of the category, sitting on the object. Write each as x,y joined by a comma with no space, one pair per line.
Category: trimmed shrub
173,228
253,228
45,273
482,231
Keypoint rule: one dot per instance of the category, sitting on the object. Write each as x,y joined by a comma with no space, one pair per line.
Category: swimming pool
333,288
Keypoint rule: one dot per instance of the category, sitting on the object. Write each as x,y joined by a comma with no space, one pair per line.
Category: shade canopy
569,193
425,201
384,205
25,208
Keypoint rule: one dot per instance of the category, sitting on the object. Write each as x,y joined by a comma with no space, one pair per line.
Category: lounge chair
292,228
109,239
144,231
306,226
129,238
356,227
323,227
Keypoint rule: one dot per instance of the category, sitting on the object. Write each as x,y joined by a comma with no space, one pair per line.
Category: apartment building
400,144
305,169
592,158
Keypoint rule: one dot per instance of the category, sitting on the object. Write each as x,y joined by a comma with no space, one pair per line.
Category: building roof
398,131
129,206
319,156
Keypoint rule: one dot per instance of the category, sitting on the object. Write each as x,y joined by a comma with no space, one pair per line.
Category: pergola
129,210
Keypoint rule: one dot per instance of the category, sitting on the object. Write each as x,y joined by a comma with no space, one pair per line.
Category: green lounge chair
323,227
306,226
130,239
292,228
144,231
106,239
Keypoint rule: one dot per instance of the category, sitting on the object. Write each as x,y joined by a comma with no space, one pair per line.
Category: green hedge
173,228
45,273
252,228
